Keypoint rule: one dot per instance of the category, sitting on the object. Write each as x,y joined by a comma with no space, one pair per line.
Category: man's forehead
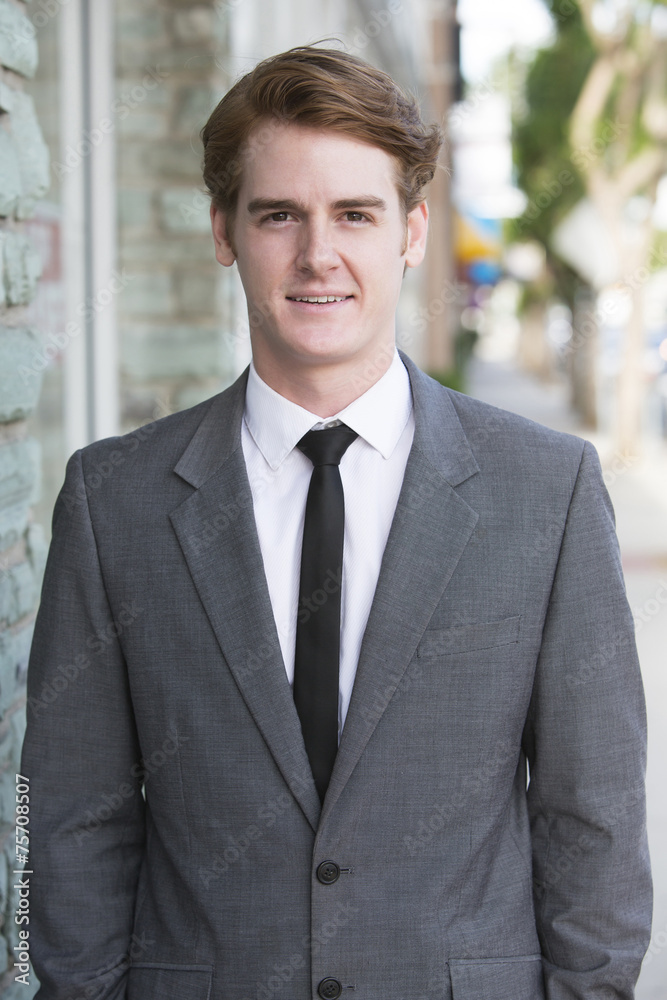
343,167
290,138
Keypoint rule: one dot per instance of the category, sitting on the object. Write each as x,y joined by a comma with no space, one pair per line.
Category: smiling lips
318,299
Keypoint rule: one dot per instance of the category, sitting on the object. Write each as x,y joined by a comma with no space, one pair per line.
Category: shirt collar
378,416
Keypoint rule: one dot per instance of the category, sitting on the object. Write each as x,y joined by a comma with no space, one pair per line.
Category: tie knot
327,447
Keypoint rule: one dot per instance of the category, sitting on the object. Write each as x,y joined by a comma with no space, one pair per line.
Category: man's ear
224,250
417,227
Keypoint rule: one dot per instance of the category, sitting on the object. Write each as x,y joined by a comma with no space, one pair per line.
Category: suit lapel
429,532
217,533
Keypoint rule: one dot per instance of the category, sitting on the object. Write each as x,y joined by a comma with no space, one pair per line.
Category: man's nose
317,252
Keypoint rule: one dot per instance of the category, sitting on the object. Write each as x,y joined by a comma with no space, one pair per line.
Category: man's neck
325,390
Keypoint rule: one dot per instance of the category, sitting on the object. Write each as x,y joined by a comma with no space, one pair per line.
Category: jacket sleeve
80,756
585,744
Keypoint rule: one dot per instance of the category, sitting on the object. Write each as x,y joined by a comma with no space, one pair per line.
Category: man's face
319,217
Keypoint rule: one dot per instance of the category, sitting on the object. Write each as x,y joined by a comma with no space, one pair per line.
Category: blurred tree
553,185
595,126
622,112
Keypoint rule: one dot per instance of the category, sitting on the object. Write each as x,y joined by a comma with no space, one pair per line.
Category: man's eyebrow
259,205
365,201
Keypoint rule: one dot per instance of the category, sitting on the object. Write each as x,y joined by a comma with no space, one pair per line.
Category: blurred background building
544,290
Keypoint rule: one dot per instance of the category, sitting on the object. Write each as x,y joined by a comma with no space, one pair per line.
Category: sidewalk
638,489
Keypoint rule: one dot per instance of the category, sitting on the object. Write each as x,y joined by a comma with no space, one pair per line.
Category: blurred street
639,493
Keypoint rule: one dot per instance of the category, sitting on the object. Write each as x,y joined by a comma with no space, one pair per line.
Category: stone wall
173,348
24,177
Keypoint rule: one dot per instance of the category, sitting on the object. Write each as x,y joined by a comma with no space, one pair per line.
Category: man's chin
323,346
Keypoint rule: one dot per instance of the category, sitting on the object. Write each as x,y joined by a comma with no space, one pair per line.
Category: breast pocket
469,638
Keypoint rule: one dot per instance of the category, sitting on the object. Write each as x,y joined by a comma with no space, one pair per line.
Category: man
362,641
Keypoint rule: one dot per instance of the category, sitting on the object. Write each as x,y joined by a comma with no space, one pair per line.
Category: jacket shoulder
158,446
497,439
490,429
169,432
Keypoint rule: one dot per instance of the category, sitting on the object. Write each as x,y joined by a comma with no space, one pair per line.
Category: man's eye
355,216
279,216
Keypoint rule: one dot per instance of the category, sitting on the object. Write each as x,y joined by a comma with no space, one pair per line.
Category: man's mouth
318,299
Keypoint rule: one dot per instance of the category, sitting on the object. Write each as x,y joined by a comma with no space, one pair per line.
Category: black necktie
318,620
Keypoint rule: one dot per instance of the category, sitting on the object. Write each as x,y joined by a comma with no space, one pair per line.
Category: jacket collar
438,432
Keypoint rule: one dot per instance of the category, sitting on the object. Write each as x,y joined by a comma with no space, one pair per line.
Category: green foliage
451,378
546,170
455,377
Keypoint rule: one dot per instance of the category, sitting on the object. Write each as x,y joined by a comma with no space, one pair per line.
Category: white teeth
320,298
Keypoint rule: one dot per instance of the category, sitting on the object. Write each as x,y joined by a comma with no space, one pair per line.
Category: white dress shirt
371,472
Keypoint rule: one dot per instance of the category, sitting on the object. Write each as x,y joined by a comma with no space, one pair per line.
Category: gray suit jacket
485,814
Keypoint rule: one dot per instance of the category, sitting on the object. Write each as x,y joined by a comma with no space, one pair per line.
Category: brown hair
325,89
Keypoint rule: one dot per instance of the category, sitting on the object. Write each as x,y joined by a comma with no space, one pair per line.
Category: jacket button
329,989
328,872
